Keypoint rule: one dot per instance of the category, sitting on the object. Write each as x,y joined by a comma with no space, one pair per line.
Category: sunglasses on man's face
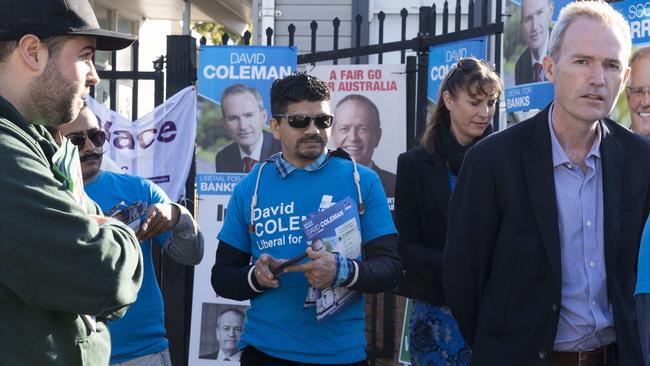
97,137
322,121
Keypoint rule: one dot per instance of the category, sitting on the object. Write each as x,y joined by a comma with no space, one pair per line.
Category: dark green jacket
56,262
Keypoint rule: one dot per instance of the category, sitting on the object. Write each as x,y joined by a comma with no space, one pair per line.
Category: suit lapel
435,173
612,162
538,169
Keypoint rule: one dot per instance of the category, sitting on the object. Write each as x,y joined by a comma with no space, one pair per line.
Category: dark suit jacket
502,270
524,72
421,198
228,159
387,180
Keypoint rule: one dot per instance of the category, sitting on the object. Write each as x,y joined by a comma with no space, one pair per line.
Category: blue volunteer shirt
276,323
141,331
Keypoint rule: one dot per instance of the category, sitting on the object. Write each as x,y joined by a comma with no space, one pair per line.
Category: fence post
423,69
411,100
177,280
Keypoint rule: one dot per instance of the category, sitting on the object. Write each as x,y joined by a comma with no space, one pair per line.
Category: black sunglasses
321,121
469,64
97,137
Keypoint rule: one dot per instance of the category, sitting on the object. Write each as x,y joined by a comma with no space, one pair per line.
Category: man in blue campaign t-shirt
280,193
139,337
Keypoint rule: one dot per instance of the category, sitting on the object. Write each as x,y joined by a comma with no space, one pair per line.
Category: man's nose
597,74
311,128
645,99
93,77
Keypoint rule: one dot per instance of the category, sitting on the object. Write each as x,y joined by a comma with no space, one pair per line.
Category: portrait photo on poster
234,135
368,104
221,327
526,42
234,105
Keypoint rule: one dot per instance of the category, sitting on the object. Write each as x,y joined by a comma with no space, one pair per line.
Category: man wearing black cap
63,272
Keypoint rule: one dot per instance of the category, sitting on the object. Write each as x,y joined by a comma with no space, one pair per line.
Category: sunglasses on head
322,121
97,137
469,64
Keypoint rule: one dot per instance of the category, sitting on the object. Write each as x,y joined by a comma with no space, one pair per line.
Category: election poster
637,14
526,40
159,146
442,58
369,108
216,322
234,105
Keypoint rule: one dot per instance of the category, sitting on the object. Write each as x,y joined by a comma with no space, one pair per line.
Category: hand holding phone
288,263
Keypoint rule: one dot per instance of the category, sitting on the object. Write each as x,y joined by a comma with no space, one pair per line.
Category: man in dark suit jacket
357,129
229,158
546,216
535,22
244,117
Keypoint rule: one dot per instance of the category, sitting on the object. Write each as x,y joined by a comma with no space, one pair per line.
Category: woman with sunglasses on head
425,179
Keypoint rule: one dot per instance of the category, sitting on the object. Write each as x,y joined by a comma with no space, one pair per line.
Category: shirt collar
256,154
285,168
559,157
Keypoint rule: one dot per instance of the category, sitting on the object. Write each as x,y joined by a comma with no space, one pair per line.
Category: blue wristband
342,270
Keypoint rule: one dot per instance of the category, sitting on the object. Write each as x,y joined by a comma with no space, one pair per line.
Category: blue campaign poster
255,66
525,44
637,13
443,57
229,130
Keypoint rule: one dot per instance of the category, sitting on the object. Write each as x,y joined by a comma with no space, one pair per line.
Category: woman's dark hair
297,87
473,76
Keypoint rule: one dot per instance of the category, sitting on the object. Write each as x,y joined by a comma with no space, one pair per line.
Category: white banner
158,146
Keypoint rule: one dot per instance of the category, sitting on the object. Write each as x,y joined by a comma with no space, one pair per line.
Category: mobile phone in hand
290,262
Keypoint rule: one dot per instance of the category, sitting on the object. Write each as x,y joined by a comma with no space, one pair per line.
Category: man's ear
275,128
265,114
33,52
548,64
378,137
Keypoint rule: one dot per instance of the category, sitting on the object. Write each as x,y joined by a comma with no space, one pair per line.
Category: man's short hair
242,89
521,7
297,87
596,10
367,102
641,53
230,310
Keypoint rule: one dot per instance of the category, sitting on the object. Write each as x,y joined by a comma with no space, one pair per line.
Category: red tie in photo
248,163
538,71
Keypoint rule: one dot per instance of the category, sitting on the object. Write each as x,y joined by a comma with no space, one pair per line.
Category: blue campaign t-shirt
276,323
643,269
141,331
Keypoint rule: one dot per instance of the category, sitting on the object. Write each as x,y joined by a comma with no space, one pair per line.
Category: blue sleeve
377,220
643,267
157,195
235,226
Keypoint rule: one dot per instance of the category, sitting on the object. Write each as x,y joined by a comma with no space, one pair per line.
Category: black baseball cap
49,18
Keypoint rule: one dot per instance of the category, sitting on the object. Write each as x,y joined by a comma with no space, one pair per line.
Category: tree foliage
214,31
